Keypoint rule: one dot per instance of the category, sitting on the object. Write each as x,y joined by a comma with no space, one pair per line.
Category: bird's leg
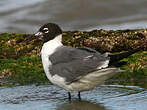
69,96
79,95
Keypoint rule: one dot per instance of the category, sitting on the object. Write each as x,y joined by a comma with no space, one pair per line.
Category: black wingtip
117,57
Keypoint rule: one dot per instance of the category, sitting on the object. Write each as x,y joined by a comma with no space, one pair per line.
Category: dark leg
79,95
69,96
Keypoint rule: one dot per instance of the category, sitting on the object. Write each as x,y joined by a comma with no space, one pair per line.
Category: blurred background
27,16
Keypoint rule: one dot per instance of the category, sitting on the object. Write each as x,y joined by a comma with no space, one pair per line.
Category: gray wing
73,63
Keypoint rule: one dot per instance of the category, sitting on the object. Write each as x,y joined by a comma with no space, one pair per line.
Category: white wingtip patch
105,64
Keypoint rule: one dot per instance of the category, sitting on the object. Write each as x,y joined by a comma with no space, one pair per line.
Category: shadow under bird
73,69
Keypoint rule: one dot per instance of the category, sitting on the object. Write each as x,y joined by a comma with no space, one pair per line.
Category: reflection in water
49,97
80,105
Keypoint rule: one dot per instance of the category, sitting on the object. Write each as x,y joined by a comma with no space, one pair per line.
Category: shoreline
21,63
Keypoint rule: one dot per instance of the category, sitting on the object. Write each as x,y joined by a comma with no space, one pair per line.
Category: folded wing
74,63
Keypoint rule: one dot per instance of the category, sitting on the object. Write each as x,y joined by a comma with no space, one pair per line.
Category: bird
73,69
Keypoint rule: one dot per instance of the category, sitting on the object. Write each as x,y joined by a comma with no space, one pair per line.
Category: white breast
48,49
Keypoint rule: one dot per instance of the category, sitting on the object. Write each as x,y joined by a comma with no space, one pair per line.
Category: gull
73,69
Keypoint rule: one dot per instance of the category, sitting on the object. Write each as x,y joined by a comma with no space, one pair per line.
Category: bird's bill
38,35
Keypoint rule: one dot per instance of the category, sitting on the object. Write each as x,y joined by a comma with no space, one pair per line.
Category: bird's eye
45,30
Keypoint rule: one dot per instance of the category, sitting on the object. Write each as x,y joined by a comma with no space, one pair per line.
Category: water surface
49,97
27,16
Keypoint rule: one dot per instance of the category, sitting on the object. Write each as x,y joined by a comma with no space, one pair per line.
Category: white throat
49,47
58,38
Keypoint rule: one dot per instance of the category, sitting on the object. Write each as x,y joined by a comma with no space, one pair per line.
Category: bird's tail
116,57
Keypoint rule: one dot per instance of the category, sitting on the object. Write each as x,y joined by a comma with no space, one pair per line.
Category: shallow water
49,97
27,16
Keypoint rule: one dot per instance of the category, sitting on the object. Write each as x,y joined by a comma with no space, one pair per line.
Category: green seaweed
20,62
25,70
136,71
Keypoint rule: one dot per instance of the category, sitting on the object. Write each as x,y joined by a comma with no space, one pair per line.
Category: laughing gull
73,69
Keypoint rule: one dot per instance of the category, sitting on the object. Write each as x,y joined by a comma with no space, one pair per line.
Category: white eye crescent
46,30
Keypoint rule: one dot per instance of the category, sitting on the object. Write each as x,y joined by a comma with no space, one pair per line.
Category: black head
47,32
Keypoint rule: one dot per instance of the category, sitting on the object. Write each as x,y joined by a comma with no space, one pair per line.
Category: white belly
93,79
55,79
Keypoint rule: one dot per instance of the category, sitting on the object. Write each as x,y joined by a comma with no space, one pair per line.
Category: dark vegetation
20,63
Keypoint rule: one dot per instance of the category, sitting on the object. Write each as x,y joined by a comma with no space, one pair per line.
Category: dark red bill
38,35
